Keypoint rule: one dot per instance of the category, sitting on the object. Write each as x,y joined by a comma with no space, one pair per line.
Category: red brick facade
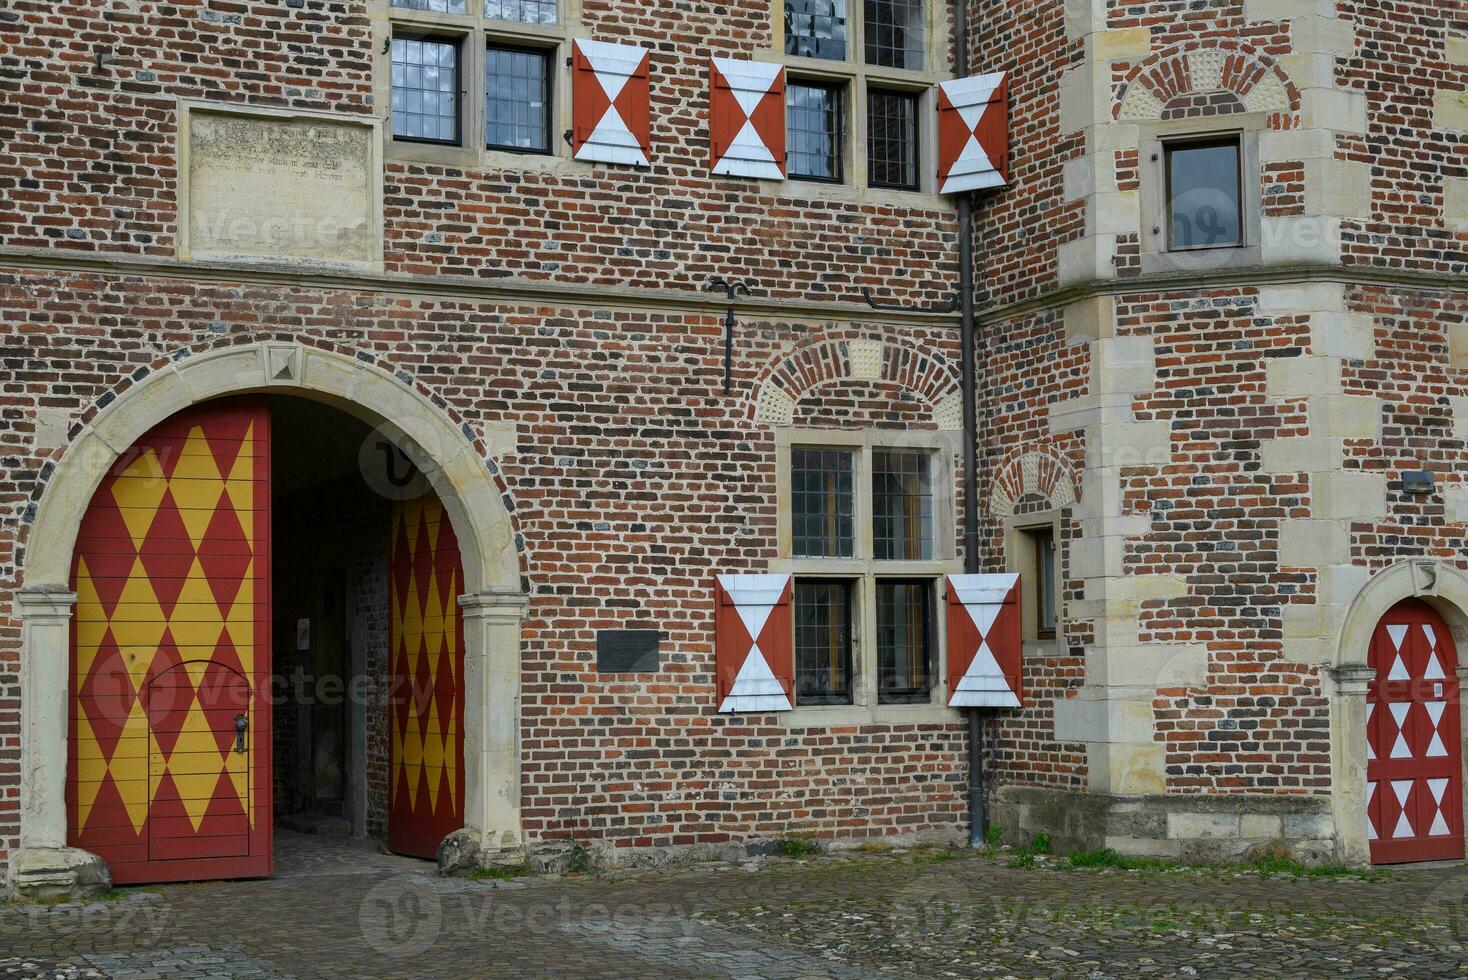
560,315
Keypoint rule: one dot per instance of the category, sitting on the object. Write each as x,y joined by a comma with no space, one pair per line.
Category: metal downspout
978,817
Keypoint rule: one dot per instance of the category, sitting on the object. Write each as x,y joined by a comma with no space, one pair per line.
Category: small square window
425,90
902,505
892,139
904,640
822,642
893,31
517,87
432,6
1042,551
816,28
523,11
1204,194
822,502
814,123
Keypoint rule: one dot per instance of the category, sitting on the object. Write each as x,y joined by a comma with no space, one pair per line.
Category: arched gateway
195,406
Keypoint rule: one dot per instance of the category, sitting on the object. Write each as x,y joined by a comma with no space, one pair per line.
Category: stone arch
1254,80
444,451
1444,588
787,379
1036,472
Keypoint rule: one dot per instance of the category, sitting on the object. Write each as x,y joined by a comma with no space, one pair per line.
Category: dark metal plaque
627,651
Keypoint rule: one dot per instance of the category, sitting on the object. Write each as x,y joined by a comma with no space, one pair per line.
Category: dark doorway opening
330,629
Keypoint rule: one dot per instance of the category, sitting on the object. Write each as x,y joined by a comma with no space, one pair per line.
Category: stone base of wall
1188,828
604,855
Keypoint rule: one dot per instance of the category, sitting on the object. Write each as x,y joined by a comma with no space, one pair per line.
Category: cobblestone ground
337,909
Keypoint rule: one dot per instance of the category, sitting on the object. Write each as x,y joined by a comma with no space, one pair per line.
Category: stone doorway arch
1445,589
494,603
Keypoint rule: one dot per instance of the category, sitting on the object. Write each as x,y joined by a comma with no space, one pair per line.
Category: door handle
241,725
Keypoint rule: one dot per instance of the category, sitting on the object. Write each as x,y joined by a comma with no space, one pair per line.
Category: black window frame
1171,146
547,56
908,695
457,42
915,101
827,697
840,89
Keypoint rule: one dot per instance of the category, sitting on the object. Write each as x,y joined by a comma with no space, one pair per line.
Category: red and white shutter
610,95
984,641
747,119
754,643
973,133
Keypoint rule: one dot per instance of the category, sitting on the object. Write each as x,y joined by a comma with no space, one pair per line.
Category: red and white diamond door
1414,791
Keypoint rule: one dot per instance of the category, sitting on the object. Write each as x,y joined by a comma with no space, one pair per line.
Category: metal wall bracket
866,294
732,288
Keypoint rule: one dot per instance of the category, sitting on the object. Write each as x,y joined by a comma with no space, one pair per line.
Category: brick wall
1206,521
632,480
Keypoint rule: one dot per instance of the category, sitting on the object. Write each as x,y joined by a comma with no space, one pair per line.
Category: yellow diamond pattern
425,658
174,471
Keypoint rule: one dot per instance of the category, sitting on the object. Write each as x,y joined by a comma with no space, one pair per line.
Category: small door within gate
1413,753
427,697
169,748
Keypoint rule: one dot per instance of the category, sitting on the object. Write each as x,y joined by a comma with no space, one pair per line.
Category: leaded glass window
425,90
902,506
522,11
432,6
904,640
822,503
892,139
816,28
517,86
813,131
893,33
822,642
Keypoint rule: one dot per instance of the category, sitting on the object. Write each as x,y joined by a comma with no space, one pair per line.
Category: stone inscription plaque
282,189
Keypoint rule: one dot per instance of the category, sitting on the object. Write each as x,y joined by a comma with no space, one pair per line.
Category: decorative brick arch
1241,77
789,378
1026,473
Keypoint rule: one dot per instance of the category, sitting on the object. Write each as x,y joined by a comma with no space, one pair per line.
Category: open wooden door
426,801
169,771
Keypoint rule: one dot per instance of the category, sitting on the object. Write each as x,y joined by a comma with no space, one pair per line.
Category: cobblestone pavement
339,909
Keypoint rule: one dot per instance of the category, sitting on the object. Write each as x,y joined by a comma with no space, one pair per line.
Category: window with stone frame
509,61
864,524
868,66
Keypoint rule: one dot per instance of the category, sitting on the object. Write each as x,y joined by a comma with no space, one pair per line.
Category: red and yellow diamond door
169,768
427,664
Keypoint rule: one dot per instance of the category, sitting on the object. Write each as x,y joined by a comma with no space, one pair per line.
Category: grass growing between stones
799,847
500,873
1105,857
